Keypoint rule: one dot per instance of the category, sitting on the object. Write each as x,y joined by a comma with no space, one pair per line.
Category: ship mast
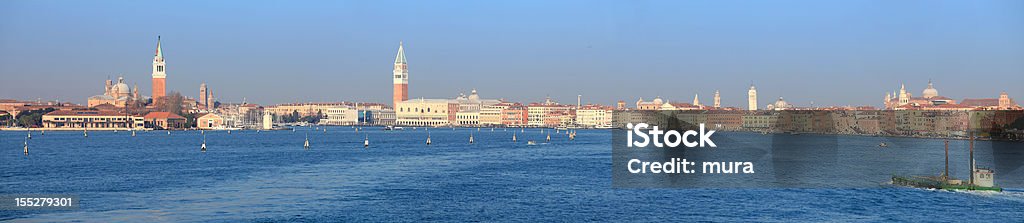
972,158
945,176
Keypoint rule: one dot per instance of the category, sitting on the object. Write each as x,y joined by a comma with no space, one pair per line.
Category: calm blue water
267,176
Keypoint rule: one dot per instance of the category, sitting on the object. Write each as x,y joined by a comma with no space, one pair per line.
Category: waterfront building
118,94
470,108
401,77
342,115
515,115
164,120
760,121
724,119
90,119
426,112
467,118
159,73
210,121
752,98
594,116
539,112
303,109
621,105
490,115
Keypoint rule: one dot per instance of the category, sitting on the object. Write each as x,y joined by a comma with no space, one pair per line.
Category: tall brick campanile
159,73
401,78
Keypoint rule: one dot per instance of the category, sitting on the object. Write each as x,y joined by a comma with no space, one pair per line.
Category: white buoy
26,147
202,132
428,138
325,129
470,138
492,129
549,137
513,137
478,129
306,144
541,131
85,133
203,148
366,142
229,131
168,132
133,132
43,132
522,130
29,134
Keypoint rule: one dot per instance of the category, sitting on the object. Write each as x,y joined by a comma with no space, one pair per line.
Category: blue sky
828,52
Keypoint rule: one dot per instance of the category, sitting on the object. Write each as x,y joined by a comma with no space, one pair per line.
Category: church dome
121,89
781,104
658,101
930,92
473,96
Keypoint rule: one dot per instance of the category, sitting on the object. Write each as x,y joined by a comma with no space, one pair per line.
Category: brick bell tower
401,78
159,73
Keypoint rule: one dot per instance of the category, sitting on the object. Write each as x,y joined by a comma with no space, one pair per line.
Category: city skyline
604,64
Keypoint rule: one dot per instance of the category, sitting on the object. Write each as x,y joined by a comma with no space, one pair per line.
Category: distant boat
883,144
168,132
531,142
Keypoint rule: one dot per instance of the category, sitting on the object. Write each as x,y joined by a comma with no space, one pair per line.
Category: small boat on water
392,128
883,145
531,142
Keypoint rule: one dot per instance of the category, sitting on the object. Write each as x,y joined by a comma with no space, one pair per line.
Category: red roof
980,102
163,115
86,113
